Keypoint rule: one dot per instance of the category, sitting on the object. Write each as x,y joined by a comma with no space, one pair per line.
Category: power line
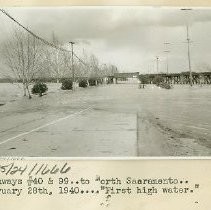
45,41
39,38
85,64
33,34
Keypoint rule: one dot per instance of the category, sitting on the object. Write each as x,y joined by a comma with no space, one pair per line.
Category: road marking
45,125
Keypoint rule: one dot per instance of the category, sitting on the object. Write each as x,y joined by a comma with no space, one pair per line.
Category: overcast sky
128,37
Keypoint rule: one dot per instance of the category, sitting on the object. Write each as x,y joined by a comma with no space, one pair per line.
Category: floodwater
182,114
185,108
10,92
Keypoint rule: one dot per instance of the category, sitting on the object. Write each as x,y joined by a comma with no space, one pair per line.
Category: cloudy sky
128,37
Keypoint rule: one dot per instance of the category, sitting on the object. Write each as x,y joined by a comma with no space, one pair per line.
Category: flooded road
122,120
182,113
185,108
172,122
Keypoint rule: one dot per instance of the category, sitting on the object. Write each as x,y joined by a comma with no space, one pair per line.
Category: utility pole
189,62
157,64
57,67
188,43
72,64
167,57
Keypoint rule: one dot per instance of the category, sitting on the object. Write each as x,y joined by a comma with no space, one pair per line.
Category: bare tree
66,60
93,67
109,70
56,61
80,69
22,56
85,70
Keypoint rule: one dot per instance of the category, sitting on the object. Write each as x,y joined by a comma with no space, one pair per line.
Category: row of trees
29,59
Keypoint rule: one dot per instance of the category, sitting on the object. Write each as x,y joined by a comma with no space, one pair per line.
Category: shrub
92,82
99,81
110,81
165,85
157,80
39,88
83,83
144,79
67,84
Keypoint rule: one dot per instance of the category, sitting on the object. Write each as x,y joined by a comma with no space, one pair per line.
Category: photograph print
105,81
